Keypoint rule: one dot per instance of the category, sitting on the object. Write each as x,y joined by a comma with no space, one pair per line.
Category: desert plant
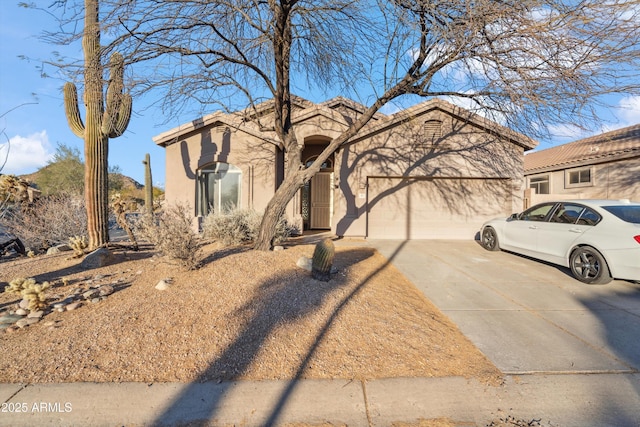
17,285
47,221
239,226
173,235
78,244
31,291
102,122
13,189
119,208
35,294
323,260
235,227
148,186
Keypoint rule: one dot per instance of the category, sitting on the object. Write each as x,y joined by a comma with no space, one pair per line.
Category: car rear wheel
489,239
588,266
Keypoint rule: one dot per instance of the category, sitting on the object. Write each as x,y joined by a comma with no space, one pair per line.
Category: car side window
589,217
567,213
536,213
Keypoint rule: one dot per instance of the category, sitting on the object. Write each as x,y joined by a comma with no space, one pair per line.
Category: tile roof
618,144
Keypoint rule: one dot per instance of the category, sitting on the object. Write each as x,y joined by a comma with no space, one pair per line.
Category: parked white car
597,239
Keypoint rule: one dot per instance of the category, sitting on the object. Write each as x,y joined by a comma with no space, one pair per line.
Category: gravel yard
243,315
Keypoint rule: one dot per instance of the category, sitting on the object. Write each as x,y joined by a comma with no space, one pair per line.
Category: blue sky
34,122
36,128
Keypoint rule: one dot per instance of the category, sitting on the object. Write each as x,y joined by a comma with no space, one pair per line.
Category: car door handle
533,227
575,230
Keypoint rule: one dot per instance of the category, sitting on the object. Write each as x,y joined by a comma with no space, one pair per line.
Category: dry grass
242,315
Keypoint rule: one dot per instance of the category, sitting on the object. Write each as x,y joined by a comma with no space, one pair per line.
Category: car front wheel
489,239
588,266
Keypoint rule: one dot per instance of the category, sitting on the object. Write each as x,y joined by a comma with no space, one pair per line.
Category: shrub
48,221
239,226
172,235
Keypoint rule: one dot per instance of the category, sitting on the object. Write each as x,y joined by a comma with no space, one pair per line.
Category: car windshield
626,213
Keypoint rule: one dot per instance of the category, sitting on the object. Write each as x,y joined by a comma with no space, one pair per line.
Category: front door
321,199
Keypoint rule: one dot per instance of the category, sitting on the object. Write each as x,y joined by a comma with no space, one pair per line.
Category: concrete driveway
524,315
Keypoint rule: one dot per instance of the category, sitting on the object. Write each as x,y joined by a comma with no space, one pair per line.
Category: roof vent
594,149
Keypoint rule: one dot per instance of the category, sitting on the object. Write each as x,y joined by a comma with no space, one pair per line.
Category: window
540,184
578,177
569,213
626,213
536,213
218,188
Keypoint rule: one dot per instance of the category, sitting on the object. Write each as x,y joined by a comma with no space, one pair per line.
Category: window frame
202,186
569,172
521,216
548,182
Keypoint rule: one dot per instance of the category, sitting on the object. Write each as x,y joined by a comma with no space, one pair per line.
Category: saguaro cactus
148,186
102,123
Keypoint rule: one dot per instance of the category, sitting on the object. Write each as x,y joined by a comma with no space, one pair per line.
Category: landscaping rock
105,290
305,262
35,314
278,248
9,319
96,259
26,322
59,248
21,312
24,304
90,293
162,285
73,306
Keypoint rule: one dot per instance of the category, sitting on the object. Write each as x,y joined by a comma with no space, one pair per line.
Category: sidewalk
553,400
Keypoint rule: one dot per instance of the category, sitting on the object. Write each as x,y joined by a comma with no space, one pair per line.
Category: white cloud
629,110
625,113
25,154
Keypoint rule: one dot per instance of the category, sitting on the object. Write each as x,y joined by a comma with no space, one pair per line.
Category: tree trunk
275,209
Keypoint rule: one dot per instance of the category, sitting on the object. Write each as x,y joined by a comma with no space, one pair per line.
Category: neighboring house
431,171
605,166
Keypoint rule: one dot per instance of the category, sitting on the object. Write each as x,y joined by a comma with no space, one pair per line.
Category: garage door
431,208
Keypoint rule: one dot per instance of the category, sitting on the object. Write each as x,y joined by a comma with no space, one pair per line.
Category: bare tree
525,63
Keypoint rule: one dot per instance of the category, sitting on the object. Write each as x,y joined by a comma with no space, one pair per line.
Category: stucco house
431,171
605,166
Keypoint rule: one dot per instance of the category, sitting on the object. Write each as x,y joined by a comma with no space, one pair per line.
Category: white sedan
597,239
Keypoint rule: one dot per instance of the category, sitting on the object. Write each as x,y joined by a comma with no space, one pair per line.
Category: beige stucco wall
614,180
463,151
220,144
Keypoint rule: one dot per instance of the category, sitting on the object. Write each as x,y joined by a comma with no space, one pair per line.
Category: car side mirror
514,217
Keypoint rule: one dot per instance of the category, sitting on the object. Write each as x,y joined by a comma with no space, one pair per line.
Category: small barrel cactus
323,260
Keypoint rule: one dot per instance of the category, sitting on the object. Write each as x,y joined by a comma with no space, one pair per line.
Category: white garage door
446,208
